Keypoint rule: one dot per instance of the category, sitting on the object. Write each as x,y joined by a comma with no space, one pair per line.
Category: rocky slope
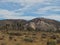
37,24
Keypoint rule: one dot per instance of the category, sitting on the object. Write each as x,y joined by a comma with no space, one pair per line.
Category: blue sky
29,9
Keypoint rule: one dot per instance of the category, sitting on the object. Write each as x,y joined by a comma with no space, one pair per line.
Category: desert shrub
33,34
53,37
15,34
17,44
58,40
3,44
10,37
43,35
34,37
24,33
1,38
28,40
30,29
15,40
26,36
58,31
51,43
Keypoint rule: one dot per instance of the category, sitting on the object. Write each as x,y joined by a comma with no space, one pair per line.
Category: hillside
37,24
38,31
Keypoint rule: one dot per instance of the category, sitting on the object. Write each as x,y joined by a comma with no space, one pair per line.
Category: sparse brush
28,40
51,42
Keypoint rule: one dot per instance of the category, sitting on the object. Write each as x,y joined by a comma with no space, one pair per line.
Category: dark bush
33,34
43,35
58,40
1,38
53,37
26,36
15,40
10,37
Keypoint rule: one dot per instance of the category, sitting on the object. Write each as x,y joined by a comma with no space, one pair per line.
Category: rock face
42,24
37,24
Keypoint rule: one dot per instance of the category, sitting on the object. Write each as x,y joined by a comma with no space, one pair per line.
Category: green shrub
51,43
53,37
17,44
28,40
15,34
58,40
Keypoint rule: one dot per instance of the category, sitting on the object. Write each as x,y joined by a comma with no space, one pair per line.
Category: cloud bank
29,9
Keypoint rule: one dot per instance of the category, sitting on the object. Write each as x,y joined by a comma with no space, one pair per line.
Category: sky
29,9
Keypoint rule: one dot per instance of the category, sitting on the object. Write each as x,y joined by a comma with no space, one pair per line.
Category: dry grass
28,38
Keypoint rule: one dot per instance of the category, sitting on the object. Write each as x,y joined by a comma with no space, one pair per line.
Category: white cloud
7,14
56,9
23,1
45,9
21,17
53,16
13,15
27,5
27,2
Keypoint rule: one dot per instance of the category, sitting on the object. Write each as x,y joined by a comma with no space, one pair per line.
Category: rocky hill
37,24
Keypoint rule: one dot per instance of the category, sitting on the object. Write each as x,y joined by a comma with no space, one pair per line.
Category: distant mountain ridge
37,24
